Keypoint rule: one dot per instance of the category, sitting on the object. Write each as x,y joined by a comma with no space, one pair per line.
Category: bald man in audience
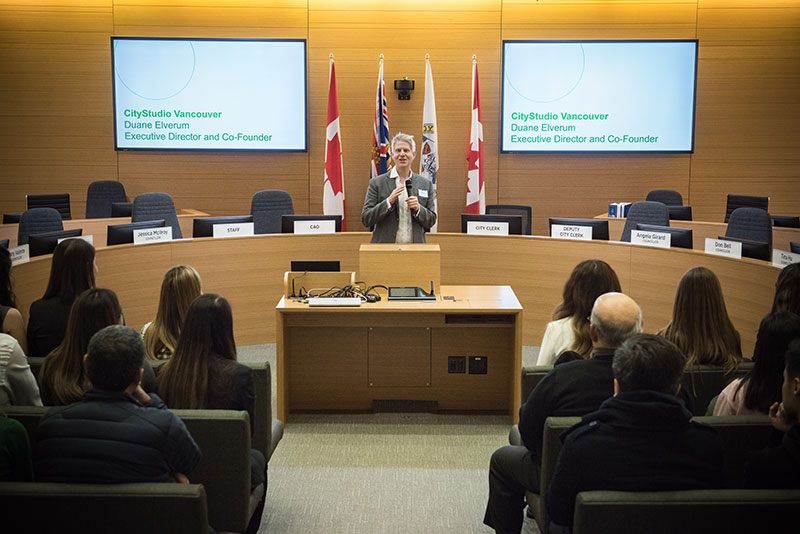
570,389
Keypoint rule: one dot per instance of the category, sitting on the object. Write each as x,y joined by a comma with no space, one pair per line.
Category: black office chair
786,221
101,195
59,202
753,224
267,208
665,196
745,201
511,209
154,206
38,221
645,212
121,209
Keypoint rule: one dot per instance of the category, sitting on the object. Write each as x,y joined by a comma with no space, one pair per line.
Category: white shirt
404,232
558,337
17,383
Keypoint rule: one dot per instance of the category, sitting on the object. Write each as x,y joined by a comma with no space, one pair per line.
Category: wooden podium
462,352
400,265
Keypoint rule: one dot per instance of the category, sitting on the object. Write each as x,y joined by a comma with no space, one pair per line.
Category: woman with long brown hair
203,374
62,378
700,325
569,329
71,273
11,321
181,285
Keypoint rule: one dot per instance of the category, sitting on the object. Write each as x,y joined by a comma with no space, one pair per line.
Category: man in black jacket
117,433
570,389
642,439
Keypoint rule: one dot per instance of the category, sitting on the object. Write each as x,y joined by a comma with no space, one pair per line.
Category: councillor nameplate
721,247
781,258
20,254
563,231
234,229
152,235
651,239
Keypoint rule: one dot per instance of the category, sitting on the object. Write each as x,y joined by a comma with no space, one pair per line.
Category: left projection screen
209,94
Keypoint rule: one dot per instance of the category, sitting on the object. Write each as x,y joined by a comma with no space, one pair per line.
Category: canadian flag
333,185
476,198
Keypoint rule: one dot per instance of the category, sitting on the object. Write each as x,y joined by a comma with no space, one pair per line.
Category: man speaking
399,203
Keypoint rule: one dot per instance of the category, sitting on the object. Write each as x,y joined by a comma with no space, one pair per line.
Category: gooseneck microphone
408,187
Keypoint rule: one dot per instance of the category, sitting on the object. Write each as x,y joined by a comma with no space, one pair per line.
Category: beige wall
56,123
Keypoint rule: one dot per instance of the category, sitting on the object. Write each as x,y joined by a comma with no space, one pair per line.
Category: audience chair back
154,206
704,382
744,201
99,508
38,221
101,195
753,224
688,512
511,209
59,202
644,212
665,196
267,208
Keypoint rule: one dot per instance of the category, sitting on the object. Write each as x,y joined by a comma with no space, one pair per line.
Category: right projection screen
598,96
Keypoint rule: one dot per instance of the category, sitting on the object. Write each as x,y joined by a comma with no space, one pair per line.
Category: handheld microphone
408,187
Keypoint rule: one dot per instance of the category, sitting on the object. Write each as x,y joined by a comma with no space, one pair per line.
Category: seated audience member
117,432
72,272
642,439
203,374
17,383
787,290
700,325
63,378
11,321
15,452
779,467
181,285
569,329
570,389
760,388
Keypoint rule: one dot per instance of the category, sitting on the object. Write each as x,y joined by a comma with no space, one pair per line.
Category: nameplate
487,228
20,254
720,247
322,226
234,229
562,231
152,235
781,258
88,238
651,239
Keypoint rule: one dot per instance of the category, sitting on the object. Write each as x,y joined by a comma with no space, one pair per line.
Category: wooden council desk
343,359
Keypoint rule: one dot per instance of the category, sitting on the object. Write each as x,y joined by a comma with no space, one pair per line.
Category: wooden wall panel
748,114
55,127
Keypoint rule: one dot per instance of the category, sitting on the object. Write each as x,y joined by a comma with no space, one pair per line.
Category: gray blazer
385,220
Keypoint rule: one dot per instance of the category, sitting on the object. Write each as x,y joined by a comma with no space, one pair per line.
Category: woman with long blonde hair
569,329
700,324
181,285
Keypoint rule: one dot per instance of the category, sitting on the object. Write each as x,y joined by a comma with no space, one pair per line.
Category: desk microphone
408,187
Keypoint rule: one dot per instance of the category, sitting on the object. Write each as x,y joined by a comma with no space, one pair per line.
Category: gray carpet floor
384,472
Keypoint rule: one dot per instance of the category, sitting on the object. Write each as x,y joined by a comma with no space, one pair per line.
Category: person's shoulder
583,431
419,177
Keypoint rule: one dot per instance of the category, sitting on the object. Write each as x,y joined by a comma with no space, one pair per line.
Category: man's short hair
613,334
647,361
400,136
115,355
